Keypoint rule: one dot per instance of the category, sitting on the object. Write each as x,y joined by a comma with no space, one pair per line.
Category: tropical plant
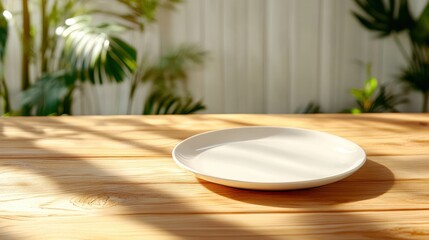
391,18
372,98
168,73
4,29
73,49
162,102
310,108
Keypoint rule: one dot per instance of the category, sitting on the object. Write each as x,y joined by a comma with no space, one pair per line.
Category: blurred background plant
71,48
391,19
310,108
370,102
373,98
4,92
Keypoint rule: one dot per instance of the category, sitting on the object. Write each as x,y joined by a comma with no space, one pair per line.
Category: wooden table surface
112,177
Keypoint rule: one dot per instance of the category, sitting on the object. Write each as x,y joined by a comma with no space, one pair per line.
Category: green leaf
370,87
311,108
138,13
47,95
386,101
356,111
95,53
384,17
4,29
358,94
420,32
167,102
174,65
416,75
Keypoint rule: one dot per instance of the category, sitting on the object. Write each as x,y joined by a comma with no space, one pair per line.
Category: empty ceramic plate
269,158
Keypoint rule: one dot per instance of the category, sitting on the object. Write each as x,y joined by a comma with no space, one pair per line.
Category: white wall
266,56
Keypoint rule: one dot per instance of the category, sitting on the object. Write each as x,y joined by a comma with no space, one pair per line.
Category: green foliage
169,72
416,75
373,99
385,17
4,30
419,33
73,49
311,108
364,95
392,17
139,12
94,53
162,102
47,96
174,65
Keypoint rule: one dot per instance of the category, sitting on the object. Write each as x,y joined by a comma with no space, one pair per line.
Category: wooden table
112,177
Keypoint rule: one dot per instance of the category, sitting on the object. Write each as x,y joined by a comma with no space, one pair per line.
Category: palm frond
95,53
4,29
167,102
174,65
138,13
416,75
386,101
384,17
420,32
47,95
310,108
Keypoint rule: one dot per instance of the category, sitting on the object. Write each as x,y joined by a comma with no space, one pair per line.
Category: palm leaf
174,65
94,53
420,32
165,102
138,12
47,95
3,32
384,17
310,108
386,101
417,75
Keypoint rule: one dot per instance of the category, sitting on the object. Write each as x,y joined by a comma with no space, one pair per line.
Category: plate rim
360,163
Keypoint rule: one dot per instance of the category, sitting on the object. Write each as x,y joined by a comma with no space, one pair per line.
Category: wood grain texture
125,136
362,225
112,177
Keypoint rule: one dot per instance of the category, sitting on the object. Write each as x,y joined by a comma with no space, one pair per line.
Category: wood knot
423,124
95,201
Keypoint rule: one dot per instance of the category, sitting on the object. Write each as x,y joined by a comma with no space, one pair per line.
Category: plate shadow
372,180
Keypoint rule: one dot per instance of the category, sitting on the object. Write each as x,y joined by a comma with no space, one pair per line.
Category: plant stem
26,53
131,96
5,95
45,37
425,107
68,102
137,77
401,47
26,38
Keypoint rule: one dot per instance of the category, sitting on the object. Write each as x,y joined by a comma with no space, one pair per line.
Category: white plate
269,158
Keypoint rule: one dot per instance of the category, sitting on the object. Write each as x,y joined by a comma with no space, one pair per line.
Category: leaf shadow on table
384,122
108,190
